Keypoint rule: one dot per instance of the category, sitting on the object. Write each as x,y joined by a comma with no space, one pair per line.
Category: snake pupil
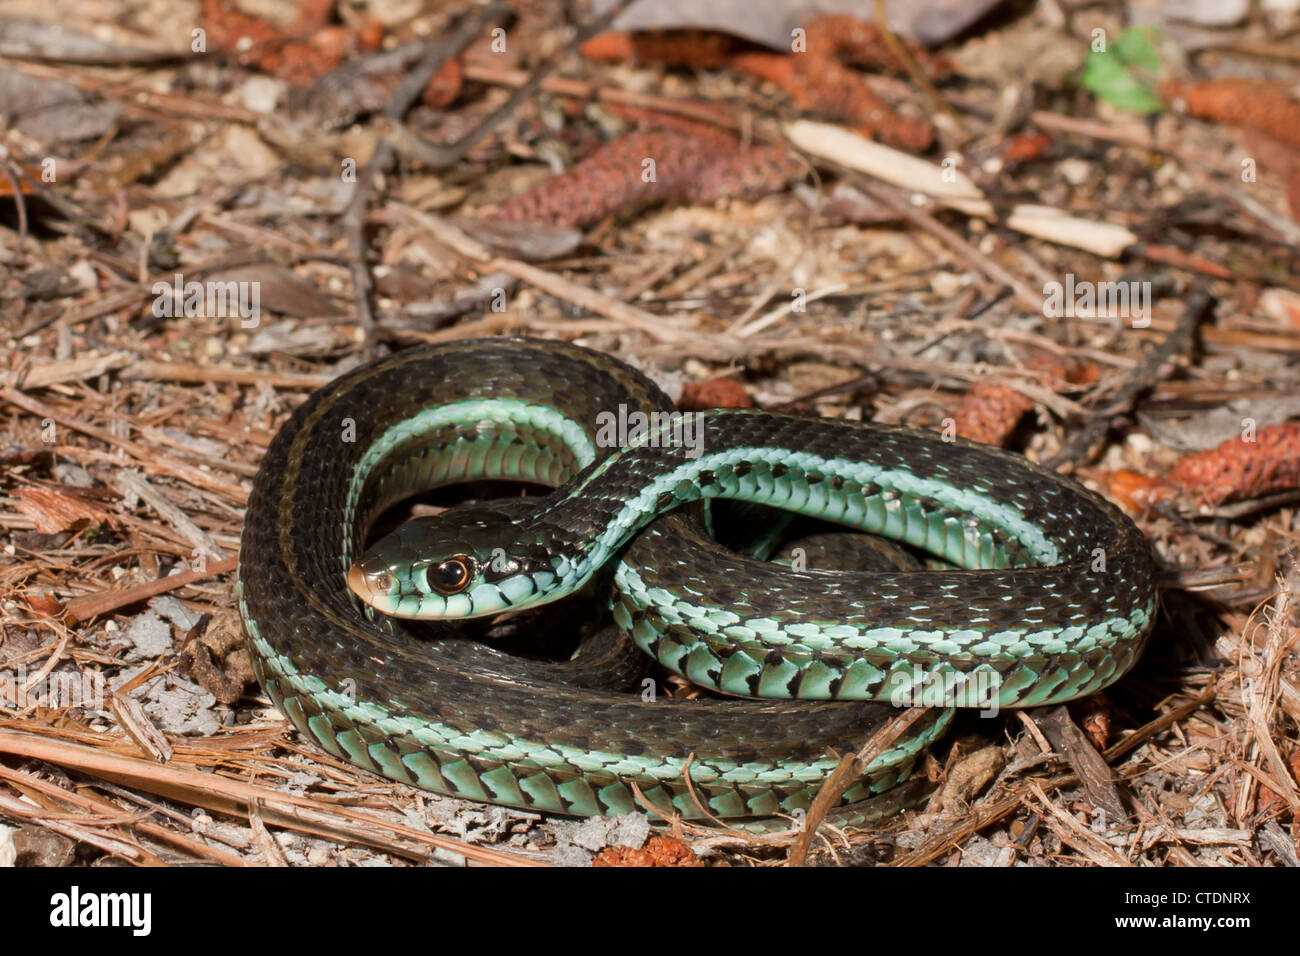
450,576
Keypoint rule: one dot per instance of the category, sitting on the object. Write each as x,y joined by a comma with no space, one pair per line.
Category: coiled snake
1049,594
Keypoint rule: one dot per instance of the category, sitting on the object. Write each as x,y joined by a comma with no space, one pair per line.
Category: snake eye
451,576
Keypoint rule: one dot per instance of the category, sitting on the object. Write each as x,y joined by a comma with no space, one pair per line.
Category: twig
94,803
1078,449
19,203
1070,831
93,605
913,68
741,329
444,156
657,327
401,100
151,371
167,466
1069,741
1240,509
77,369
849,769
1026,296
134,483
223,794
713,114
1159,725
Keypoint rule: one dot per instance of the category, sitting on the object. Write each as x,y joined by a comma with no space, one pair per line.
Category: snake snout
370,584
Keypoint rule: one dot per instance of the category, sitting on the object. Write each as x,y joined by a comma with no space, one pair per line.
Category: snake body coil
1051,599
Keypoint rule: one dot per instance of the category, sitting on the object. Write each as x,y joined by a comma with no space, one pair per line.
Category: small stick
1143,376
443,156
713,114
223,794
152,371
401,100
659,328
92,605
19,203
913,68
132,482
1026,296
1159,725
850,767
158,463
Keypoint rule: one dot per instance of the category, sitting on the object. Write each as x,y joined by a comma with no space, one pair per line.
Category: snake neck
896,483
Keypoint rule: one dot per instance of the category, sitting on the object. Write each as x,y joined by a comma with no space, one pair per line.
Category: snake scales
1051,596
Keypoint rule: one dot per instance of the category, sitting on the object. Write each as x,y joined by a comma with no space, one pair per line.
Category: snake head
468,562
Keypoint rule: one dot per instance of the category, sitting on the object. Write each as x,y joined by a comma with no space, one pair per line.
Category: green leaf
1139,47
1124,75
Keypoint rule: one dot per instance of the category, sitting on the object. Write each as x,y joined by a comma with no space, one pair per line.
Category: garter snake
1051,594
